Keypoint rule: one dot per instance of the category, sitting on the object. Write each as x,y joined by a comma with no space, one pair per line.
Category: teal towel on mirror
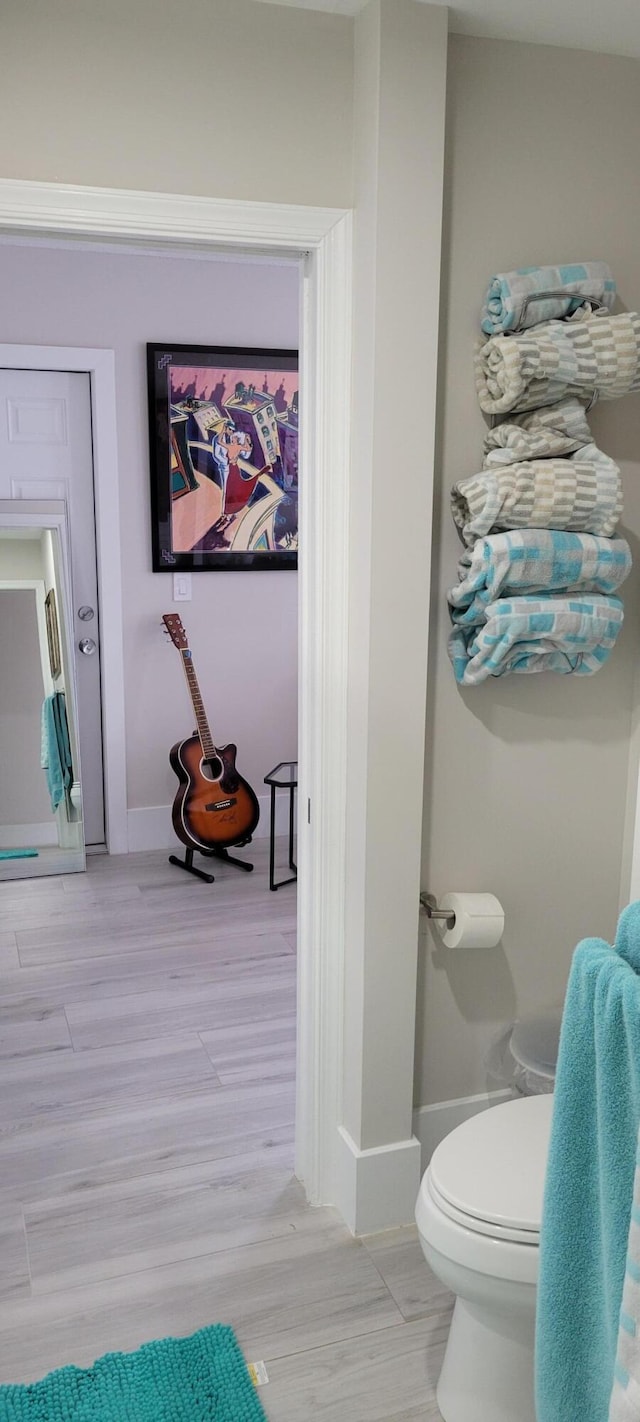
590,1177
55,756
18,853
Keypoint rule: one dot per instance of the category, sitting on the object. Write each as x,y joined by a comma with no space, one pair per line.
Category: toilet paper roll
479,920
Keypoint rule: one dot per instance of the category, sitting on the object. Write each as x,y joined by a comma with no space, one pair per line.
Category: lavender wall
242,626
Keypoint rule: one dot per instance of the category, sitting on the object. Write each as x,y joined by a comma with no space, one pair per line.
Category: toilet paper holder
430,906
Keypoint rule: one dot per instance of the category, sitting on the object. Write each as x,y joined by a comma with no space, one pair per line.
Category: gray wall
224,98
527,777
23,787
242,628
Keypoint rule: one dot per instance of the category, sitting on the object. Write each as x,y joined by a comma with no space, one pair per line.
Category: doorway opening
41,809
242,636
325,237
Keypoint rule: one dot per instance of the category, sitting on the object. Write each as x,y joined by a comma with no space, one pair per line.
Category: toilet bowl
478,1214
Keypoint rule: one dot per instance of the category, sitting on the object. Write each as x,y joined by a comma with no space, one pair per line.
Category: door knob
87,646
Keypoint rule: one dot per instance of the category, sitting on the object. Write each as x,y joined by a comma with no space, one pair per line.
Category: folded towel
55,748
589,1181
528,634
506,307
529,561
553,432
583,492
585,355
625,1397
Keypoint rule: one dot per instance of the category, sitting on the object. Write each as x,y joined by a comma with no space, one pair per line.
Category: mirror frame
52,514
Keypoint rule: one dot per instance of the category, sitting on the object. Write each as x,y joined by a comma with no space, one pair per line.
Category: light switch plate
182,587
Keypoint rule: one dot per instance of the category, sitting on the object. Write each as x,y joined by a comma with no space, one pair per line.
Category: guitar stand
188,865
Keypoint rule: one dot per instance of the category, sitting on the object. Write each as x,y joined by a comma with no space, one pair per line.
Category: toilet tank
526,1055
533,1045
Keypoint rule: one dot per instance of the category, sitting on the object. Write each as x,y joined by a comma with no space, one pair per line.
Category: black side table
283,777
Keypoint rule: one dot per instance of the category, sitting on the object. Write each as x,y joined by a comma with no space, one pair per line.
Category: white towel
582,493
625,1397
584,355
553,432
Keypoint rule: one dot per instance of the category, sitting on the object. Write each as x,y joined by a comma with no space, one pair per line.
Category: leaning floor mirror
41,829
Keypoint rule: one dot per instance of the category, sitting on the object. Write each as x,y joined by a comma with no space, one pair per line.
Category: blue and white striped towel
528,561
625,1398
506,307
589,1178
528,634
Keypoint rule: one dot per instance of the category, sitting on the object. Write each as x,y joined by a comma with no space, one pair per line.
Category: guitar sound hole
212,769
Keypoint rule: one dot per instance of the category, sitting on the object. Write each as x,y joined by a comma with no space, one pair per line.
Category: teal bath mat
18,854
199,1379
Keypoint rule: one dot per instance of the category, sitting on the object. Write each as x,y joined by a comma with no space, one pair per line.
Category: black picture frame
223,446
53,635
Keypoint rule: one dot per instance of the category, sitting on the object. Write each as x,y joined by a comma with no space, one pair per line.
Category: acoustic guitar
214,807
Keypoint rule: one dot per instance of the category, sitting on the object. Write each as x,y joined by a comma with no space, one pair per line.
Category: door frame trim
52,514
323,236
99,365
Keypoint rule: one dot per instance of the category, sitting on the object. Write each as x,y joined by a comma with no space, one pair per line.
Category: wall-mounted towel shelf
598,310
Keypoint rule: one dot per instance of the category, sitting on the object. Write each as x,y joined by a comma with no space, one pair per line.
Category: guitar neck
208,748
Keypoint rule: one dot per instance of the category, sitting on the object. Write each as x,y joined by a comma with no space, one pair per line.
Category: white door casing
324,234
46,453
99,366
38,514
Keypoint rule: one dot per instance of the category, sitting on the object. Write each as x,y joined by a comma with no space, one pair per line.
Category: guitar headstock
176,631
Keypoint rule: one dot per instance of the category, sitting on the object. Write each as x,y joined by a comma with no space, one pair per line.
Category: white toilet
478,1215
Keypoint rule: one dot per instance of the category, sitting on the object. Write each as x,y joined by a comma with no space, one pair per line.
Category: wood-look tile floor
147,1046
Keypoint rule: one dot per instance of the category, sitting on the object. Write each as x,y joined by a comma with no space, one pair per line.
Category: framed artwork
53,636
223,429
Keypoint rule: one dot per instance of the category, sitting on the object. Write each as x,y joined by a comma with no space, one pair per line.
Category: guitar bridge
221,805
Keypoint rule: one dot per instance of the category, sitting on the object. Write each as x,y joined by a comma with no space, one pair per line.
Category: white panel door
46,453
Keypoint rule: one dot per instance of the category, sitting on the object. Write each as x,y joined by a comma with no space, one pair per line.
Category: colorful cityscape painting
224,457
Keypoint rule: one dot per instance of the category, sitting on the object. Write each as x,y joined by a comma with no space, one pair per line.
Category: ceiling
608,26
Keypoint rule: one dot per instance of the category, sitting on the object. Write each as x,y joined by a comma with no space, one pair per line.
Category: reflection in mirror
40,797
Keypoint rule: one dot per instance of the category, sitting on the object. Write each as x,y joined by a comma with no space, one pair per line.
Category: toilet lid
490,1170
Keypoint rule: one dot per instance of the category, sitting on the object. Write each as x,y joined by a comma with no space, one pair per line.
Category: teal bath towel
590,1177
55,755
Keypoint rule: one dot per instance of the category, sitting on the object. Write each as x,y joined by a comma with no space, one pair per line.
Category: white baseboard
28,836
377,1189
151,827
432,1123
